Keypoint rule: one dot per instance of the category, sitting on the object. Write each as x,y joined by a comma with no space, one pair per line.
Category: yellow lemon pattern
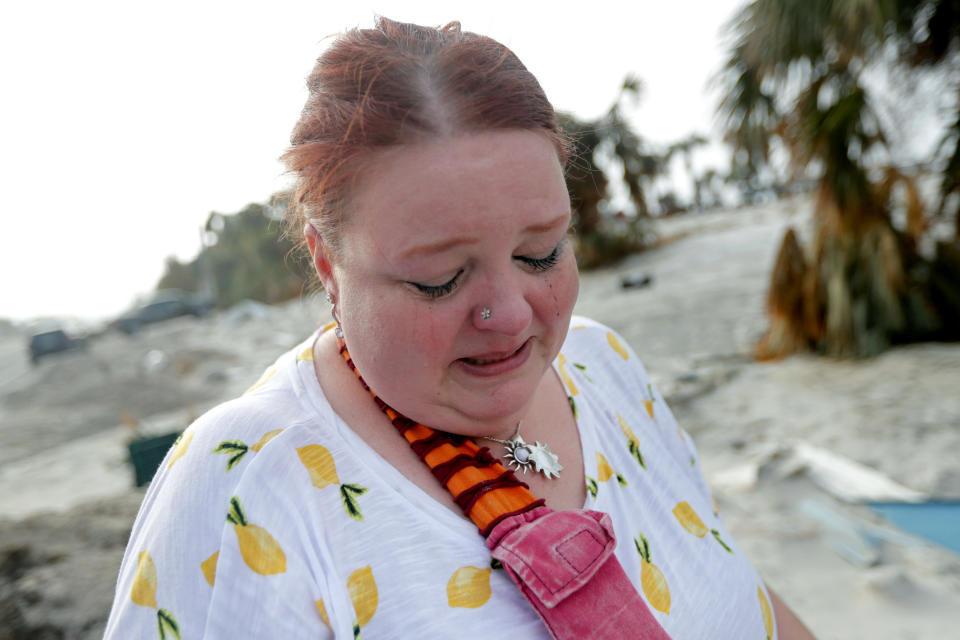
209,568
269,373
322,610
655,587
633,445
144,590
259,550
306,355
689,519
766,612
469,587
565,375
144,593
617,346
648,404
320,465
180,447
363,594
264,439
323,472
236,449
605,471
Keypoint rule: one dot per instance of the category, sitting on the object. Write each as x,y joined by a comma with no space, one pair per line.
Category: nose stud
485,313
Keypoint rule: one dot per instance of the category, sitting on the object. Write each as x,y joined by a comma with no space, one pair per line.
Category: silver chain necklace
524,456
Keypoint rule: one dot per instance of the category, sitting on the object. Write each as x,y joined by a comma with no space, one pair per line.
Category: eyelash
542,264
537,264
441,290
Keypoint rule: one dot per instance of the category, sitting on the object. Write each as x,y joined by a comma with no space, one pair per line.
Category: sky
124,124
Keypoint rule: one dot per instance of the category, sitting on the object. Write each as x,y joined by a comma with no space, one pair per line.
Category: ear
321,259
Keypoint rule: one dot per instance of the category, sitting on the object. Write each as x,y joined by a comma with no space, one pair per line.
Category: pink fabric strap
563,563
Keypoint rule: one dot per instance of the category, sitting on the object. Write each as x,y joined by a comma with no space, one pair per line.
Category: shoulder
177,536
602,340
592,346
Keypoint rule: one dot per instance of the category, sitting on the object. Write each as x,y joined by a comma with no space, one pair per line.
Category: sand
791,448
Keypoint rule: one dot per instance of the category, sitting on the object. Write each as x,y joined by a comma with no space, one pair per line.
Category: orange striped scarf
479,484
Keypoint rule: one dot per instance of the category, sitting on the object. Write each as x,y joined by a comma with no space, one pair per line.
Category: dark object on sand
165,305
636,282
146,454
48,342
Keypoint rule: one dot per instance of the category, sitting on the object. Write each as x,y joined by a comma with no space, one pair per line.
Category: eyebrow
449,243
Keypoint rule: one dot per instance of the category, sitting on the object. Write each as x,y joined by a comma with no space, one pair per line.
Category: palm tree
796,74
604,235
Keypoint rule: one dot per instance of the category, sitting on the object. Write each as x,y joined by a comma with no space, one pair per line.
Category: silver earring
485,313
329,297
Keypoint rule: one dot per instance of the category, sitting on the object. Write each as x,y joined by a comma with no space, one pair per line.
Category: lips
496,363
488,360
481,360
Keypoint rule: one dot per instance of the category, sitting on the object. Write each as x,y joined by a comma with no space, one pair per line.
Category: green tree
245,257
604,235
795,74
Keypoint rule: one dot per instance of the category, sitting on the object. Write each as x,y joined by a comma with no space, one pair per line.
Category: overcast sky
125,123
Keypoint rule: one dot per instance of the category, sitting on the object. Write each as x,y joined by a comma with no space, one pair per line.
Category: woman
431,191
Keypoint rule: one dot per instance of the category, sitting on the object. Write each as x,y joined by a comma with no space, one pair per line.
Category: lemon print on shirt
269,373
648,404
209,568
654,585
257,547
363,594
687,517
323,473
322,610
690,521
633,445
766,612
565,375
144,590
144,593
469,587
180,447
617,345
605,471
237,449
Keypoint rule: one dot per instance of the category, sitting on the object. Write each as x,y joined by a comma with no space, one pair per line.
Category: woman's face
438,232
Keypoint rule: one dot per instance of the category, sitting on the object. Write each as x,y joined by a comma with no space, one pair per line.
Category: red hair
400,84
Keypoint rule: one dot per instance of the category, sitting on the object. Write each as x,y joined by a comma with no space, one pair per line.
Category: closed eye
438,291
546,262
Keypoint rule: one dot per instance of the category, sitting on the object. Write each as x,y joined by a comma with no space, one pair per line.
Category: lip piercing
485,313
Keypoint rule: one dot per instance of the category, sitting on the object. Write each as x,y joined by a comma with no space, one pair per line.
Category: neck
479,484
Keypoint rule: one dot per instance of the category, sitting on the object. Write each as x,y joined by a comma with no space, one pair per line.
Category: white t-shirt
271,518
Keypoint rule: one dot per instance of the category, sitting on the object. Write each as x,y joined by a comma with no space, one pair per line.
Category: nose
503,307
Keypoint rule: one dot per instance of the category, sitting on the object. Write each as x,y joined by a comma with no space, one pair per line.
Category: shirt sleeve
217,549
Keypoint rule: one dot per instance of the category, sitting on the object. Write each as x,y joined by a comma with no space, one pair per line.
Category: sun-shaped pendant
524,456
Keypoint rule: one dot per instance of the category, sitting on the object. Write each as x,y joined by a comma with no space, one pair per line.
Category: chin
496,411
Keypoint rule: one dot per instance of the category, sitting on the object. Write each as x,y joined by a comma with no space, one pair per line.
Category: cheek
563,288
